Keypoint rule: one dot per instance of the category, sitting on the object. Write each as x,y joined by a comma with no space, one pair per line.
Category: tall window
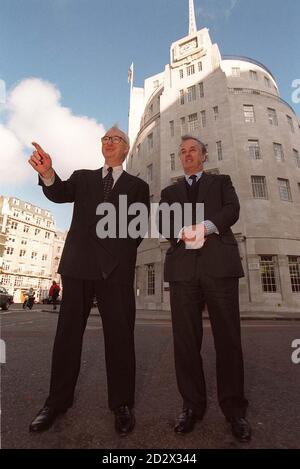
278,152
290,123
297,158
294,267
149,173
34,255
192,122
267,82
181,73
201,89
203,118
172,128
150,142
22,253
216,112
253,75
200,67
14,225
259,187
191,94
284,190
155,84
272,116
249,113
182,125
181,96
219,151
190,70
9,251
268,274
236,72
150,279
47,235
254,150
172,162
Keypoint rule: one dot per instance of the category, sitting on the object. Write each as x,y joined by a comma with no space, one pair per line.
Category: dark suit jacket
219,255
85,255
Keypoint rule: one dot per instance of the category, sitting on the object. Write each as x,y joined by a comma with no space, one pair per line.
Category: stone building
27,234
233,105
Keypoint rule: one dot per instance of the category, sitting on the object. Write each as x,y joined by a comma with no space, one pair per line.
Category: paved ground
272,384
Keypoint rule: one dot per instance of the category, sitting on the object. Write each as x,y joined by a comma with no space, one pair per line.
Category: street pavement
272,384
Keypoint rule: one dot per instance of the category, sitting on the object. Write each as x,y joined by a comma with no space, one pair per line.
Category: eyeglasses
114,139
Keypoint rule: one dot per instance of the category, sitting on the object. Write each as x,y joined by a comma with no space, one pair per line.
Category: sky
64,66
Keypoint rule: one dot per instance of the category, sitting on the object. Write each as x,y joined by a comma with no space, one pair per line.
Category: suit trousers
188,299
116,304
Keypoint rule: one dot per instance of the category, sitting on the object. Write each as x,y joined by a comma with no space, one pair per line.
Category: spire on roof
192,18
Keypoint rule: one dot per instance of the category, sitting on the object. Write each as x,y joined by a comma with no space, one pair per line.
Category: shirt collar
196,174
116,169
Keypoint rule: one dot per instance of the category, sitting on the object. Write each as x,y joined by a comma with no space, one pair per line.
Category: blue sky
81,50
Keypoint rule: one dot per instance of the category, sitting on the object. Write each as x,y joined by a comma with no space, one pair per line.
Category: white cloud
214,9
34,113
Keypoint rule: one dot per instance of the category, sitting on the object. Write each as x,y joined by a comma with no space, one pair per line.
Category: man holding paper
203,266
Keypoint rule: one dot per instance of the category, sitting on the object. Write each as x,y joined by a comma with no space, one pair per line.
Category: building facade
27,233
233,105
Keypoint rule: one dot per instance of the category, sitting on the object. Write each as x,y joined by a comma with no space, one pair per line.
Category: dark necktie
108,183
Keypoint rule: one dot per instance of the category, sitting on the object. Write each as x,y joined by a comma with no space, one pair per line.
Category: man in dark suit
94,266
203,267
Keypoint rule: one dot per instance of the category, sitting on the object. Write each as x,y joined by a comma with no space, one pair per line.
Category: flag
130,74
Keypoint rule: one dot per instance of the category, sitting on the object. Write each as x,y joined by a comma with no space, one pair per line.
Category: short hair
191,137
124,135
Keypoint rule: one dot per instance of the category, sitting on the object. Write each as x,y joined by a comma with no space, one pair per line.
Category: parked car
5,299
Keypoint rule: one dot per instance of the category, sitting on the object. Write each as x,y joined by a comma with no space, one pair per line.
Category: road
272,383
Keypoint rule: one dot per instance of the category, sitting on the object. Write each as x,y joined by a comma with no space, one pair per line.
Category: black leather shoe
241,429
124,420
186,421
45,419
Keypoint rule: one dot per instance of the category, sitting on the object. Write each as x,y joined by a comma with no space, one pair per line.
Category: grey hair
124,135
191,137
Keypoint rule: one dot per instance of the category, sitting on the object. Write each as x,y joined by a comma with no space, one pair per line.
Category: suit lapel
181,191
204,183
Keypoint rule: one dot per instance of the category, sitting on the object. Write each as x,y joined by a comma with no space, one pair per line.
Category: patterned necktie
108,183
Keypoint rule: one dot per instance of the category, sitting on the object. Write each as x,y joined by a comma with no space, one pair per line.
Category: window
203,118
297,158
249,113
38,210
18,281
236,72
16,202
150,142
24,241
38,221
284,190
219,151
201,90
22,253
149,173
192,122
155,84
172,128
200,67
28,206
9,251
268,274
190,70
14,225
37,231
181,96
191,94
216,112
16,213
254,150
253,75
47,235
44,257
294,267
150,279
290,123
267,82
181,73
34,255
172,161
49,223
278,152
259,187
25,229
182,125
272,116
